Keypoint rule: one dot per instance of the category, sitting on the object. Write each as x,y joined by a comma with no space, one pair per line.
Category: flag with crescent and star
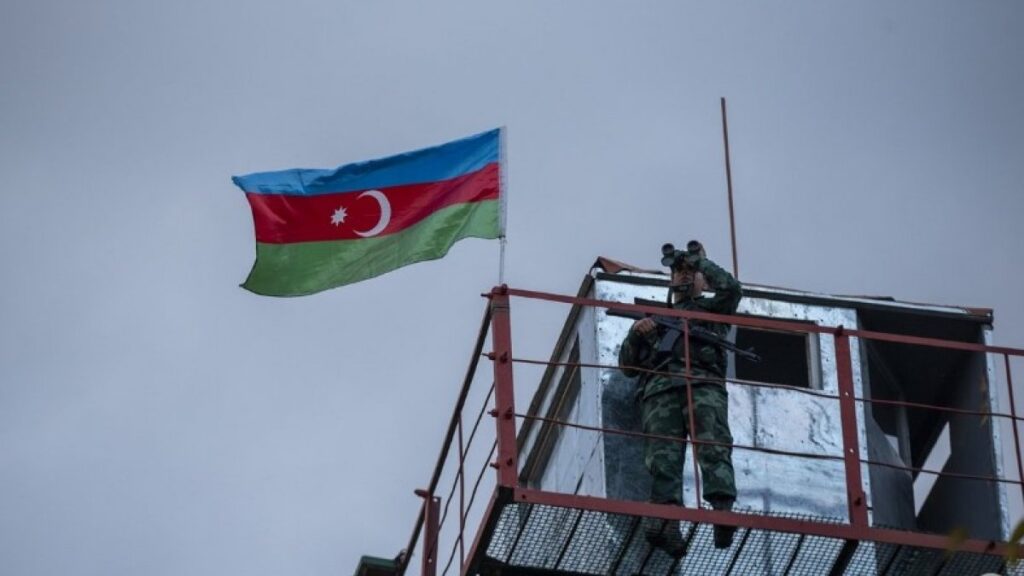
319,229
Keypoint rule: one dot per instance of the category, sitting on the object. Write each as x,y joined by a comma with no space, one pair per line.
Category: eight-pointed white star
339,216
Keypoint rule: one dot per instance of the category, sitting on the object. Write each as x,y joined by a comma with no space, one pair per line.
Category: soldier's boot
664,534
723,534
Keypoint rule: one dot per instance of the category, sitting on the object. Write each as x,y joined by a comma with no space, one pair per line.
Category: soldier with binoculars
664,396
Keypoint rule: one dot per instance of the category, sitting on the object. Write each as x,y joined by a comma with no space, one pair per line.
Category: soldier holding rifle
664,401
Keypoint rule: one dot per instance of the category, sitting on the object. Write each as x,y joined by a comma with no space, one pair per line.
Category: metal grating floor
540,539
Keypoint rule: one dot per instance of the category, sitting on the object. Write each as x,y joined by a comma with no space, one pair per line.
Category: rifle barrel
696,332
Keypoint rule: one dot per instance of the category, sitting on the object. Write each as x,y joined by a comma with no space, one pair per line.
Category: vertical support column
431,528
504,398
855,497
1013,420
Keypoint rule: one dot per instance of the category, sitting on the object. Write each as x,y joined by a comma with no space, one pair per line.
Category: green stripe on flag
309,267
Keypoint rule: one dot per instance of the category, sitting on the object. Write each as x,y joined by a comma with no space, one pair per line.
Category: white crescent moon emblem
385,213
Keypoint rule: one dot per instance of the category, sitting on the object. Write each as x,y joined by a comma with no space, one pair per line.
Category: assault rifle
672,328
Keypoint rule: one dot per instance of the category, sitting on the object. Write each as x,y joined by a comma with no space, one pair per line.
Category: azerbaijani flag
319,229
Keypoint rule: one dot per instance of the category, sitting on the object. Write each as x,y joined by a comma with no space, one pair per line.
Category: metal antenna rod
728,179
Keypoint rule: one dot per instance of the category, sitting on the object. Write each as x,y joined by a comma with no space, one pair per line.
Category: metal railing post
431,530
1013,421
504,397
855,497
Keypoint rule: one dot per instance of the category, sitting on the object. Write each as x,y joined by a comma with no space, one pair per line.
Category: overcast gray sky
157,419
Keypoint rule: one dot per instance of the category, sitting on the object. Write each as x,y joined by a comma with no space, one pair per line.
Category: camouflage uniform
664,399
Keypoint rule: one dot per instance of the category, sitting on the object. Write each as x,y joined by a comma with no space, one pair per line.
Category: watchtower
868,441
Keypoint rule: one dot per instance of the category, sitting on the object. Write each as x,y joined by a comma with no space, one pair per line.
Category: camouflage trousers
666,414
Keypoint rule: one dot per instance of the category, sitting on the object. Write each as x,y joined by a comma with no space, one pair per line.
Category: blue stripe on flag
427,165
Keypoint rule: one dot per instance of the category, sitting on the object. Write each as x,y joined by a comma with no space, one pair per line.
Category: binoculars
677,259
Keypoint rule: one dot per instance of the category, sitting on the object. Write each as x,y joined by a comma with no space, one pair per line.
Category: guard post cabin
868,434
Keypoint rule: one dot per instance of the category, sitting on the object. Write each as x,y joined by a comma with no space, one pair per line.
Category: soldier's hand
643,326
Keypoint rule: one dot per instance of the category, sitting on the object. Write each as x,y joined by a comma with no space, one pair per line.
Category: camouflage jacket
706,359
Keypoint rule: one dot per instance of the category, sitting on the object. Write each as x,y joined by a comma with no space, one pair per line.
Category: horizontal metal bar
753,322
679,440
756,322
758,384
753,383
934,342
760,522
938,473
937,408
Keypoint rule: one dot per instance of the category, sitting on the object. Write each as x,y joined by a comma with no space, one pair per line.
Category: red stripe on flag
283,219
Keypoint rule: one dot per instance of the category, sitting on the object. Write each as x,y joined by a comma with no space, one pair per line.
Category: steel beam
856,500
504,396
431,507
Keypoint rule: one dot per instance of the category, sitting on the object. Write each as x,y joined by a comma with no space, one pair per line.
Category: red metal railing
506,484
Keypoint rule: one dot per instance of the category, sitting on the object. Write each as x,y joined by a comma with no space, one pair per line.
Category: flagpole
501,262
503,195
